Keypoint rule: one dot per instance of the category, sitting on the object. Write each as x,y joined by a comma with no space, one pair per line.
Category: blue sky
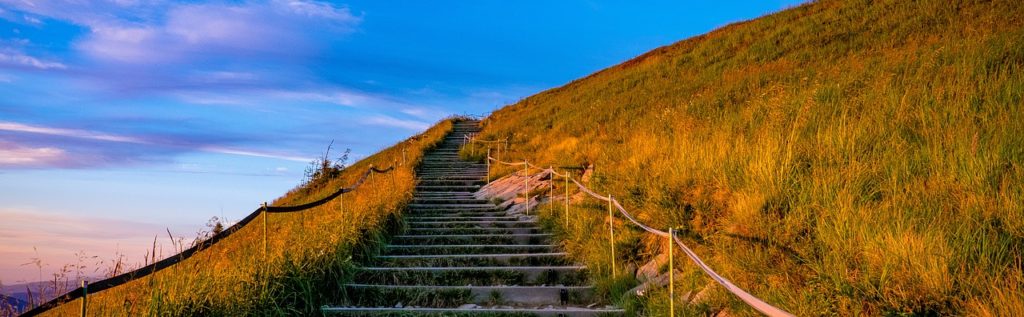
121,119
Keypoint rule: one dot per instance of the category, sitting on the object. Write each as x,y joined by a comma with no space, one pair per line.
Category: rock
587,173
702,296
399,305
468,306
652,268
639,290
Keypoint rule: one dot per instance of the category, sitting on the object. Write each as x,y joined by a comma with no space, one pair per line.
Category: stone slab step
522,295
473,275
472,311
469,219
472,224
495,258
451,201
460,206
457,230
460,239
435,249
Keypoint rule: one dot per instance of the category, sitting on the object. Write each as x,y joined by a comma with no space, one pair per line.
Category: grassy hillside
311,252
841,157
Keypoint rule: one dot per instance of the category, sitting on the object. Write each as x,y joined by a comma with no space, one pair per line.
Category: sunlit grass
840,157
311,252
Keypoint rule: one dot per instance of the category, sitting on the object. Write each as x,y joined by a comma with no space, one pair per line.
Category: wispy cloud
81,134
387,121
190,32
224,150
16,59
12,154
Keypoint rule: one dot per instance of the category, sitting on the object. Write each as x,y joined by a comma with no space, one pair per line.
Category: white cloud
19,59
127,44
316,9
32,20
225,150
92,135
202,31
81,134
18,155
382,120
338,97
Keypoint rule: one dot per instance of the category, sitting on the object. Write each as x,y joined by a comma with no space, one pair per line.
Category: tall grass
841,157
310,252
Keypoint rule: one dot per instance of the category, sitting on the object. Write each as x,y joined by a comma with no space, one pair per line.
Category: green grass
841,157
312,253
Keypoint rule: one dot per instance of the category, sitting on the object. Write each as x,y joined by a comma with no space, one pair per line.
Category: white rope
590,192
473,139
506,163
751,300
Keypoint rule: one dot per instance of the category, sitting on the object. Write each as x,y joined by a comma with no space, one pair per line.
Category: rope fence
746,297
97,286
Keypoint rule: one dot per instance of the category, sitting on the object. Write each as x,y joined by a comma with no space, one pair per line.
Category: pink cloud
16,155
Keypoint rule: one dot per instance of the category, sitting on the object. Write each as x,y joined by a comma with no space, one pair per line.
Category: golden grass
311,252
841,157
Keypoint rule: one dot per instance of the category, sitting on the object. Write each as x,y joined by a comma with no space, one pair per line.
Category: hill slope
310,254
838,157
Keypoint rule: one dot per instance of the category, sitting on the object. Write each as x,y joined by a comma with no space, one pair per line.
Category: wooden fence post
265,248
611,232
671,276
85,297
551,189
566,200
526,189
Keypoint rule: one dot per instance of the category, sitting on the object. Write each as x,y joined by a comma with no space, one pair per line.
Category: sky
121,120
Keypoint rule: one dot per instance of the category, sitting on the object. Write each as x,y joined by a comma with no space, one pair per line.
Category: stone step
413,249
473,275
476,310
454,195
440,211
446,173
485,223
450,211
422,206
462,239
443,189
479,259
472,224
466,219
450,201
443,195
459,230
449,177
455,296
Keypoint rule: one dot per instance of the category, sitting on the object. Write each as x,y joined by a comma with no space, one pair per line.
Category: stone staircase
461,256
